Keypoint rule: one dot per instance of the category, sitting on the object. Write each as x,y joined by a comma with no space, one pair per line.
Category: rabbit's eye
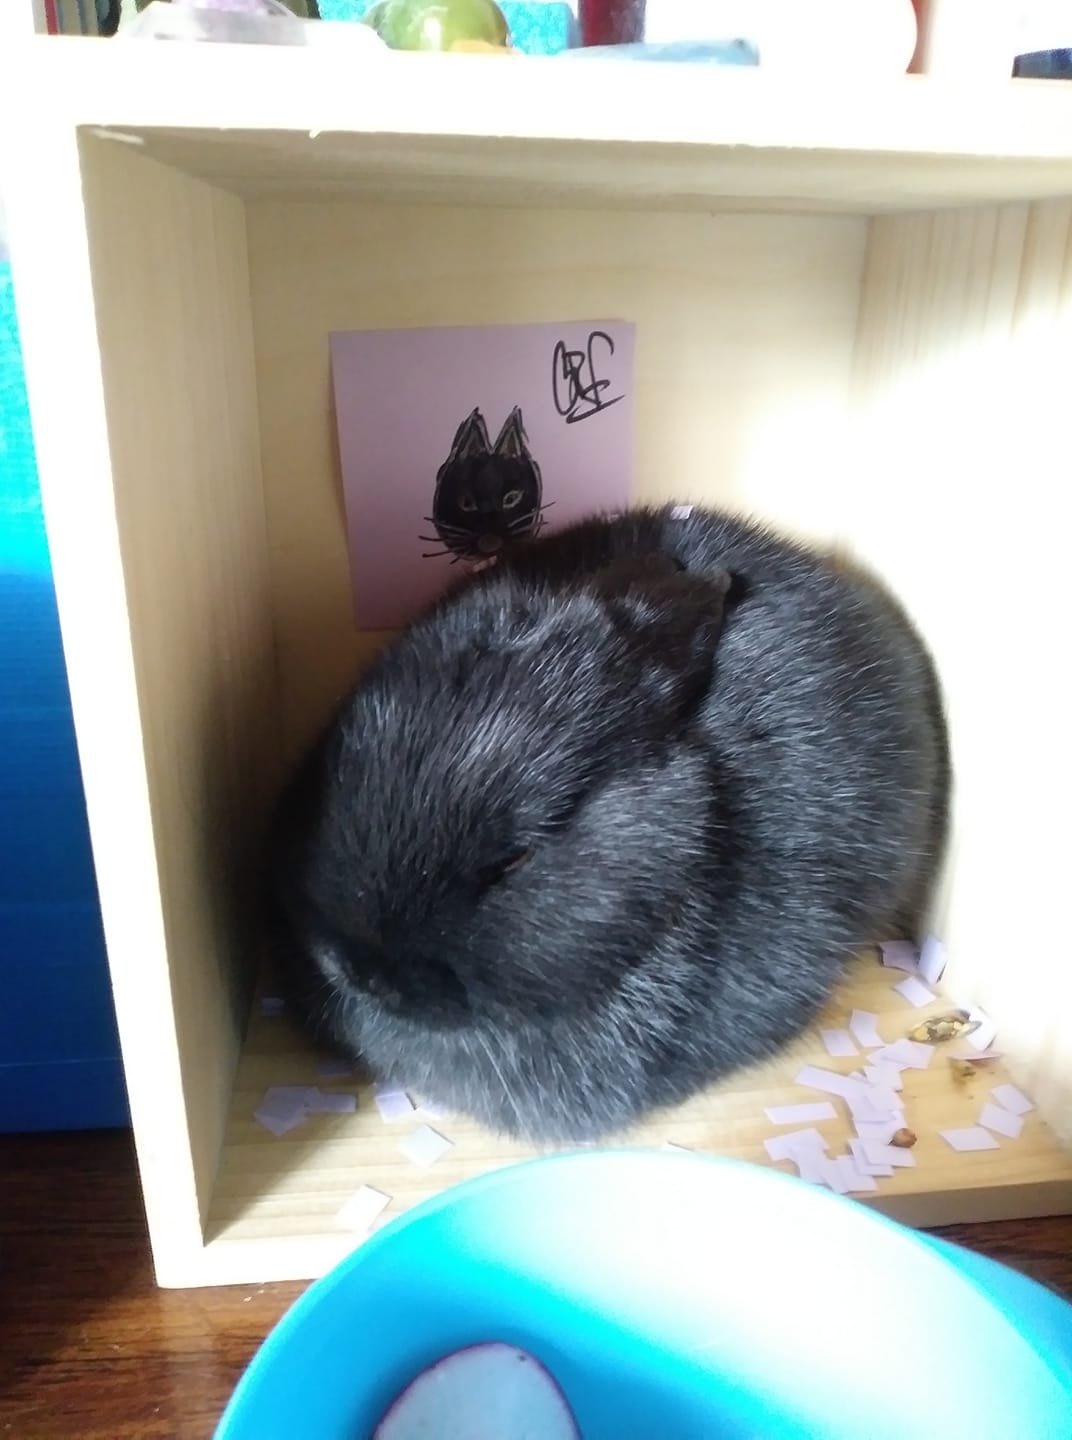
511,500
489,875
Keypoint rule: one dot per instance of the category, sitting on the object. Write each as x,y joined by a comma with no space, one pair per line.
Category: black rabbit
607,822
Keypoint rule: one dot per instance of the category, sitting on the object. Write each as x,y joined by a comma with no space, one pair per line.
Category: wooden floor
289,1190
91,1350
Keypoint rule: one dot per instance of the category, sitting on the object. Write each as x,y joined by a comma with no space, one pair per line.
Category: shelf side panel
171,288
964,354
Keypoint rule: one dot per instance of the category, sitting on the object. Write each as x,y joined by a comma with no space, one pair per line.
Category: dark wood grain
90,1349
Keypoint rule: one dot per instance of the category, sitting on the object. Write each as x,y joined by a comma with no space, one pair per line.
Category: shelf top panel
275,120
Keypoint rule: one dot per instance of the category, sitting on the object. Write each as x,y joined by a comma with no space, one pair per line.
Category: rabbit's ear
471,438
673,618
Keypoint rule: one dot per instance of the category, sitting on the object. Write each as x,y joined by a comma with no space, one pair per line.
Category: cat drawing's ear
512,441
471,438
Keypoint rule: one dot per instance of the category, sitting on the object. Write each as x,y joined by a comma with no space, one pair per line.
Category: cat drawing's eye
511,500
466,503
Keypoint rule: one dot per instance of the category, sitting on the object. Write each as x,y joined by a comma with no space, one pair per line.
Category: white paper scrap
838,1042
680,512
899,955
279,1124
811,1165
864,1027
787,1147
815,1078
833,1176
1012,1099
985,1035
362,1208
282,1108
800,1114
425,1146
863,1164
431,1109
932,960
289,1096
973,1137
856,1181
879,1131
883,1074
332,1104
909,1054
673,1145
888,1155
392,1103
1004,1122
874,1103
914,991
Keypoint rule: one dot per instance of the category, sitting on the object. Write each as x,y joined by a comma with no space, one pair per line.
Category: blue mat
59,1051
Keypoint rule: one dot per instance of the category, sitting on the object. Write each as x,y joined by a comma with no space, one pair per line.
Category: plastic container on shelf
671,1294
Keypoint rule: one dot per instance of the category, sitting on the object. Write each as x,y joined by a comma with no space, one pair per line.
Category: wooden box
854,312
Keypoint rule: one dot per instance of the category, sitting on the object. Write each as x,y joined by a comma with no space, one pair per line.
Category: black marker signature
577,390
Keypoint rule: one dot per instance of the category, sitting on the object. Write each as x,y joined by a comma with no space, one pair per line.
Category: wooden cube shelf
854,317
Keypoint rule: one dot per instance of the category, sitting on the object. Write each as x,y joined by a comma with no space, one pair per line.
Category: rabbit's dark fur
607,822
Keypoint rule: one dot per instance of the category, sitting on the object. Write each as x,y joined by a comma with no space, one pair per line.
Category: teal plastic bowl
674,1297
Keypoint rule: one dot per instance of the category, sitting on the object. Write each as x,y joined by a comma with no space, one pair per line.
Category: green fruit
437,24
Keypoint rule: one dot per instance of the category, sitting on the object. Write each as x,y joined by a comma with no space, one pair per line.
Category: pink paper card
457,442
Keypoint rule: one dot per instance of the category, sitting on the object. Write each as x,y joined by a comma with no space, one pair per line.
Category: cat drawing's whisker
445,525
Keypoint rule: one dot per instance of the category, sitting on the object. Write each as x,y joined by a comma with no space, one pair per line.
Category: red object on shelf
611,22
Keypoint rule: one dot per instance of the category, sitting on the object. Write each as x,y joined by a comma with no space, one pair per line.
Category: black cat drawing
486,496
